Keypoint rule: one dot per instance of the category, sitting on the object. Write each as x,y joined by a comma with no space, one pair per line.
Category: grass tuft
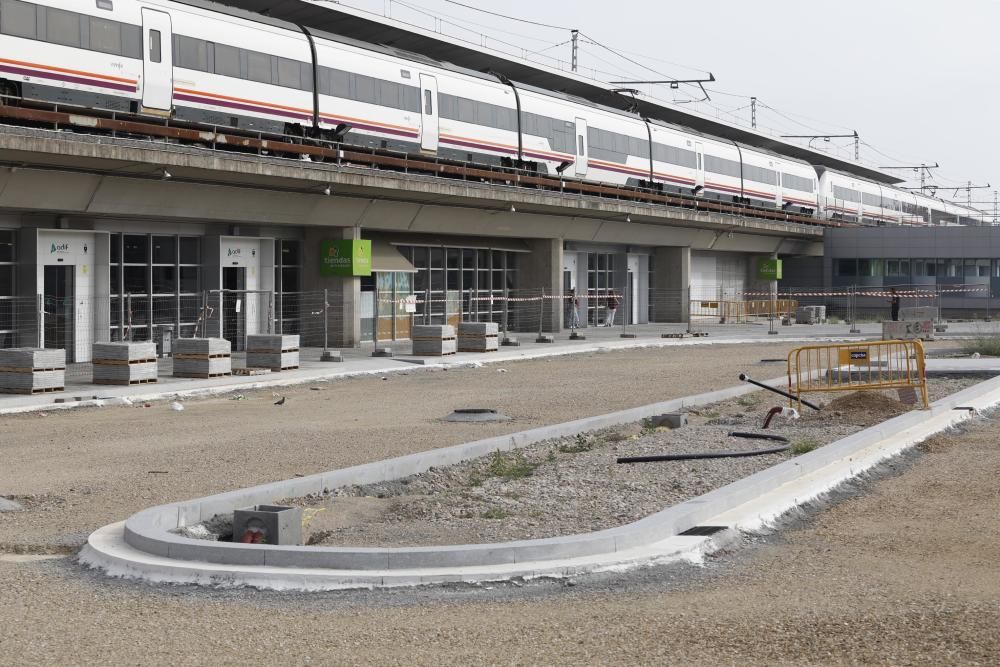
803,446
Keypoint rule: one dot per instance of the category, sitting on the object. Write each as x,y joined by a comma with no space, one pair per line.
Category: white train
207,63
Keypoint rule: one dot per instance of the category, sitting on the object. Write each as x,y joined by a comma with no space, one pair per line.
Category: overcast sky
918,80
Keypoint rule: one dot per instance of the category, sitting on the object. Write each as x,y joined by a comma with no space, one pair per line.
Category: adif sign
346,258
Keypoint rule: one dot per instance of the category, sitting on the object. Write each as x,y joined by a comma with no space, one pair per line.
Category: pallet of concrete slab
478,337
31,370
433,340
202,357
125,362
810,315
279,352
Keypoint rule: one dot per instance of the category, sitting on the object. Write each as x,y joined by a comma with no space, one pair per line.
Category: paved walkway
358,361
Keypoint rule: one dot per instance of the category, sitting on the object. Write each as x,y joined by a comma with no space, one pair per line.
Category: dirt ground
79,470
902,574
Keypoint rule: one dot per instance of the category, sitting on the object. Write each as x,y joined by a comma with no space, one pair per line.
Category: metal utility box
268,524
164,339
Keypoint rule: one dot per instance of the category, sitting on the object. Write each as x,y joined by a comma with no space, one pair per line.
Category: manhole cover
476,415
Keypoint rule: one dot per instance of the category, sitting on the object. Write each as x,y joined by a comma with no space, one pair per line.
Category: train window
289,73
340,83
105,4
428,103
105,36
17,19
62,27
155,54
258,67
410,98
466,110
191,53
131,41
388,93
486,115
579,145
227,60
364,89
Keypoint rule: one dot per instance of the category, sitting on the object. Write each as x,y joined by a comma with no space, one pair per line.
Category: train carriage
205,63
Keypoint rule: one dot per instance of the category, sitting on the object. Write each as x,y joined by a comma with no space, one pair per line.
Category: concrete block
923,330
671,420
276,361
32,357
478,337
433,340
275,524
272,342
124,351
918,313
202,346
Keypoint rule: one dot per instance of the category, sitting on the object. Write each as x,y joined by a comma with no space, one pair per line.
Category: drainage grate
476,415
700,531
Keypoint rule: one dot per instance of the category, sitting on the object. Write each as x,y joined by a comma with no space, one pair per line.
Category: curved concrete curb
142,547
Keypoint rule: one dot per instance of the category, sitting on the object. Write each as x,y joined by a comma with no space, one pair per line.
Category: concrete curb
141,547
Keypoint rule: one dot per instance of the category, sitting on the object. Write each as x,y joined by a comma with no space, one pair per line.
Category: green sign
345,258
768,269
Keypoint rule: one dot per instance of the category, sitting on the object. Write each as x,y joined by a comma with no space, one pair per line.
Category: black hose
758,436
746,378
700,455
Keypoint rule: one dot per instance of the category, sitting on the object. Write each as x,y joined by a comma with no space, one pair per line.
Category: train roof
366,29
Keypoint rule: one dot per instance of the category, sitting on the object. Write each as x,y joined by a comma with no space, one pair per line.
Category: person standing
894,303
574,304
613,302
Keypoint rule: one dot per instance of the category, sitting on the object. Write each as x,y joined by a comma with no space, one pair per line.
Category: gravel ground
574,485
82,469
904,573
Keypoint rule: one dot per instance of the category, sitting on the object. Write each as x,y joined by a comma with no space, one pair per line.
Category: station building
118,237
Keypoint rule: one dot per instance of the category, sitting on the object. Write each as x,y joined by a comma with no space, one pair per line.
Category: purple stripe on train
66,78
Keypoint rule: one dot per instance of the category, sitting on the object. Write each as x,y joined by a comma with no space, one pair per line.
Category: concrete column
344,291
672,280
542,268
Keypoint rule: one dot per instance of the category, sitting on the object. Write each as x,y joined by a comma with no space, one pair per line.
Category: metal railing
878,365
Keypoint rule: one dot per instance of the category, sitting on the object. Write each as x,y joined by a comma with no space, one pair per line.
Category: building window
600,285
463,284
288,287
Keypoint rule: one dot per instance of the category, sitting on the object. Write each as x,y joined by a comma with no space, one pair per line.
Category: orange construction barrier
884,364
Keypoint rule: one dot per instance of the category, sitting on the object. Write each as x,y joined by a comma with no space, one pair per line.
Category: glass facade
919,271
288,286
600,282
155,282
464,284
8,257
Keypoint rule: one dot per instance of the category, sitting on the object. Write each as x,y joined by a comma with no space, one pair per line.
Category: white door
581,147
428,113
157,61
699,177
778,197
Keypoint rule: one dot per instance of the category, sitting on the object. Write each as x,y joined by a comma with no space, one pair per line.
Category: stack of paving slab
125,362
478,337
31,370
279,352
202,357
810,315
433,340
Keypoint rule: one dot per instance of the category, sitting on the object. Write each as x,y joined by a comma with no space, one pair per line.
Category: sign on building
346,258
768,269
